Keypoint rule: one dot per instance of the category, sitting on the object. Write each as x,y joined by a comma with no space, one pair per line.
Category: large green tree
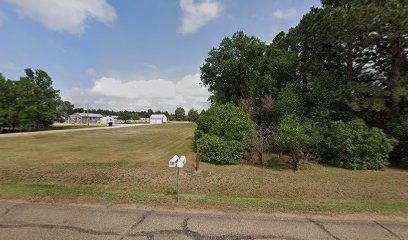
180,114
353,61
345,60
30,102
125,116
229,69
362,46
43,97
7,110
244,70
193,115
65,108
388,28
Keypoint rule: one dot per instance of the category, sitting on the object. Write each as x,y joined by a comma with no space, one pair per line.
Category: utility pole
87,113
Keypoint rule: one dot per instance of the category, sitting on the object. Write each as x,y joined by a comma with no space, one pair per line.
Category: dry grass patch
130,165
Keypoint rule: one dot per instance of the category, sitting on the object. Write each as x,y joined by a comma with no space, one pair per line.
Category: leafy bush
216,150
354,145
294,137
226,128
226,121
289,103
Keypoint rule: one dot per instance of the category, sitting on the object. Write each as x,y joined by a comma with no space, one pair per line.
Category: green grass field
130,165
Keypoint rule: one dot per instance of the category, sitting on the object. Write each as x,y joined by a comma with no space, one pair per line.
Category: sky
131,54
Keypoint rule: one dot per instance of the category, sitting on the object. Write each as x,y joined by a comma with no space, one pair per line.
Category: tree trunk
260,157
395,76
349,76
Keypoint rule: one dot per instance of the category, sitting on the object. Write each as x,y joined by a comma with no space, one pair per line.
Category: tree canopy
344,61
180,114
30,102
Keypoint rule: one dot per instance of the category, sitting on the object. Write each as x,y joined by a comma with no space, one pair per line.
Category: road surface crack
144,216
388,230
5,213
8,209
184,225
48,226
149,234
323,228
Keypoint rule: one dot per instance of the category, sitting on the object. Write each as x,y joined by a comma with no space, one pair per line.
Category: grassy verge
78,194
129,165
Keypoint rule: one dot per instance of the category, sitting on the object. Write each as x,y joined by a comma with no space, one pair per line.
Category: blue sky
129,54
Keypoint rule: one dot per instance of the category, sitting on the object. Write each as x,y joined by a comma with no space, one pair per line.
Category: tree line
333,88
30,103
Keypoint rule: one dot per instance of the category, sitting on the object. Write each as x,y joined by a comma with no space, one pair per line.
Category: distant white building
158,119
108,119
143,120
84,118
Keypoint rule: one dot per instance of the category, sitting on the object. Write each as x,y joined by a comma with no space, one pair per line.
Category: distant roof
157,116
94,115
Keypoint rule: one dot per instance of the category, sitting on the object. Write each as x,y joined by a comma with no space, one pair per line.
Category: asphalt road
49,221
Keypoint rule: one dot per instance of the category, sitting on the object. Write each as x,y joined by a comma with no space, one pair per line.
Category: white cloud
92,72
158,94
66,15
8,67
289,13
197,14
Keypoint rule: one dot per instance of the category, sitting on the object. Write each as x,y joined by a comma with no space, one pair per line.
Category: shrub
294,137
219,151
226,130
354,145
226,121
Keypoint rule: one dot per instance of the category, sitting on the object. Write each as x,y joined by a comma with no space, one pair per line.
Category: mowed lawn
130,166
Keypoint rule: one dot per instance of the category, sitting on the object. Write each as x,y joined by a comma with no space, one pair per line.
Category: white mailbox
173,161
181,162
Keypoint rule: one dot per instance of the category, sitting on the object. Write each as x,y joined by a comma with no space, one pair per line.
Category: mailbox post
178,184
179,163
